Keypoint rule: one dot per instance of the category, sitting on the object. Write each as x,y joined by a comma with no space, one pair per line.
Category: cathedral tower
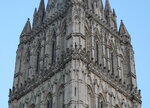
74,56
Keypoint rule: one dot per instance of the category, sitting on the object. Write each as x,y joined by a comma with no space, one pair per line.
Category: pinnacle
123,30
107,5
27,27
35,11
42,6
114,13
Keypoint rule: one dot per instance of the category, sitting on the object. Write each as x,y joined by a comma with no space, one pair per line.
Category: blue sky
14,13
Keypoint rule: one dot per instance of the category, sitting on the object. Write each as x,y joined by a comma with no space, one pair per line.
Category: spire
108,13
35,18
123,30
107,6
114,18
42,6
27,28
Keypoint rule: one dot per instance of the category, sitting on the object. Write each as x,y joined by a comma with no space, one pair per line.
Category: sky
14,14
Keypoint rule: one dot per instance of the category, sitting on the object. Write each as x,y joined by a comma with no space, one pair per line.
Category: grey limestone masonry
73,56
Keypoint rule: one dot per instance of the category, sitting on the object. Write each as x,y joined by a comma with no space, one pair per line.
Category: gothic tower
74,56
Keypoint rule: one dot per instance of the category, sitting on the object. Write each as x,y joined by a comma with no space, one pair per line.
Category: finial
121,20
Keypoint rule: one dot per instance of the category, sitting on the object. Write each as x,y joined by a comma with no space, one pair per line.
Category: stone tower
74,56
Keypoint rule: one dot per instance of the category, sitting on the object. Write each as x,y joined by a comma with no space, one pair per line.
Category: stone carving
75,54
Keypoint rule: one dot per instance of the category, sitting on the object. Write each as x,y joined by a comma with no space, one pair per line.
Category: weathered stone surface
74,57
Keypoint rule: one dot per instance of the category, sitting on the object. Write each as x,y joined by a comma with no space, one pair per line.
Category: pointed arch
62,26
38,56
88,44
90,82
53,46
121,64
63,31
113,59
102,91
97,52
97,35
49,101
87,25
98,47
60,97
90,97
61,91
100,101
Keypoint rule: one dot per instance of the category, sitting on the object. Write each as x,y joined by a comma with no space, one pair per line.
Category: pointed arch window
38,57
49,103
54,48
89,97
97,52
100,102
112,62
106,43
122,67
60,97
